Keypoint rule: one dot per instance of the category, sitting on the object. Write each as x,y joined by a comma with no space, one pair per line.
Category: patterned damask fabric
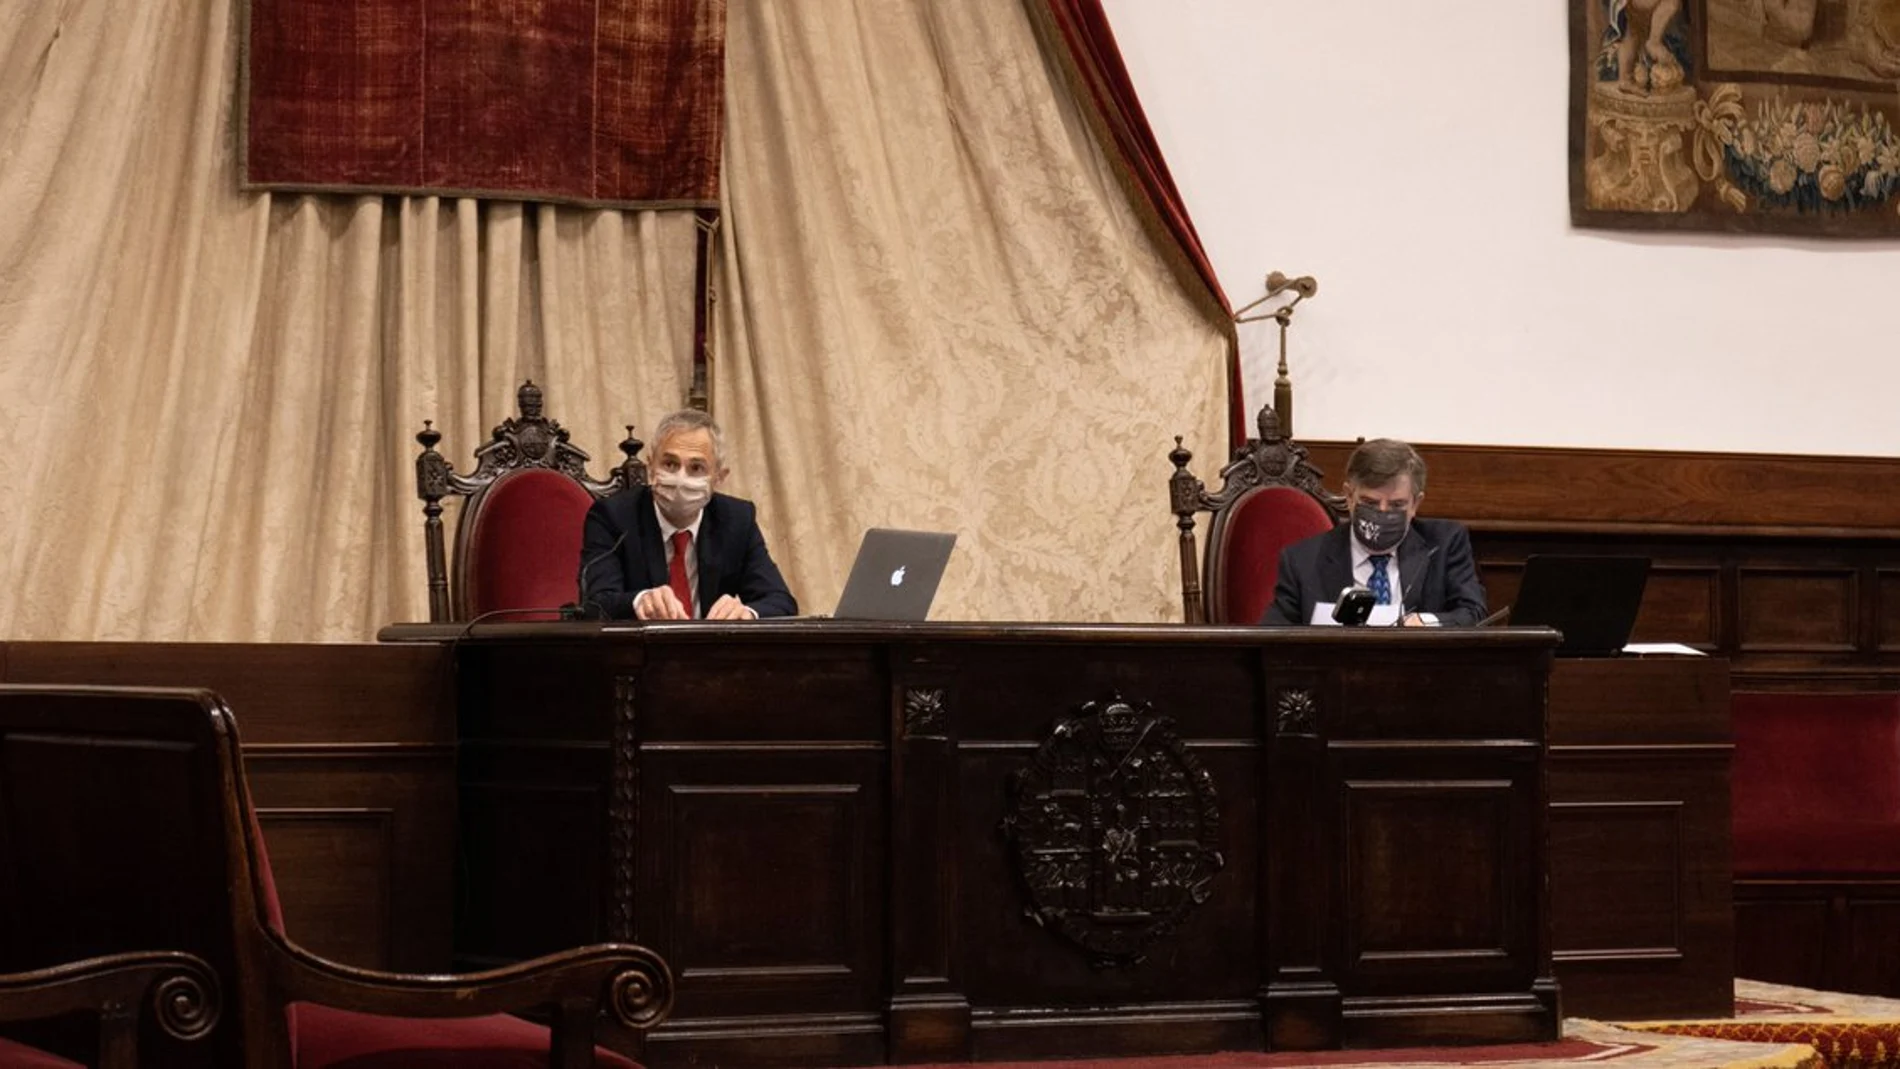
208,398
937,309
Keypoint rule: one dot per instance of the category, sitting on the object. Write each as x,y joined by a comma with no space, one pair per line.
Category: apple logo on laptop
897,577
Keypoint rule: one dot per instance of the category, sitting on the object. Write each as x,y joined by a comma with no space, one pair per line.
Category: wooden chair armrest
632,983
182,988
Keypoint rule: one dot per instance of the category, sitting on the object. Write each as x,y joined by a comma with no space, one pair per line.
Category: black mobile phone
1353,607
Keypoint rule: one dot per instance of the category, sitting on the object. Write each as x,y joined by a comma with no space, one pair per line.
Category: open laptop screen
1592,600
895,576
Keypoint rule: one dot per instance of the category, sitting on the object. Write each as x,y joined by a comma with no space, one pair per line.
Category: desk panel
861,843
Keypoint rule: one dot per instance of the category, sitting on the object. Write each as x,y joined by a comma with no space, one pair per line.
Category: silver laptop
895,576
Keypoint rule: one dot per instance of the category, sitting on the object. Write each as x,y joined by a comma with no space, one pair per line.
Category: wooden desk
860,843
1639,837
352,754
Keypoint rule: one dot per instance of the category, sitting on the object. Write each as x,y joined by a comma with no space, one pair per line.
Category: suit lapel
652,543
709,527
1415,560
1335,564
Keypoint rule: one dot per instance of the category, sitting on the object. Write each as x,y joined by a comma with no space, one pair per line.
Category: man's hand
730,608
660,603
1413,619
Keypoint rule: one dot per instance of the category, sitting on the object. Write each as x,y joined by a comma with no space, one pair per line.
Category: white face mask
681,496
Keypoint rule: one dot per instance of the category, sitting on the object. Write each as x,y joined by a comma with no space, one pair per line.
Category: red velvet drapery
600,102
1084,29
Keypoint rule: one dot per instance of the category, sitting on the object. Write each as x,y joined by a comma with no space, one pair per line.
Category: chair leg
571,1035
119,1037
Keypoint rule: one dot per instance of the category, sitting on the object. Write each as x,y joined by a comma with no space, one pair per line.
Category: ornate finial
631,445
1179,454
528,397
428,436
1269,424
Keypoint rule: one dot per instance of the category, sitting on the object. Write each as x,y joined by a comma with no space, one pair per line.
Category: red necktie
676,570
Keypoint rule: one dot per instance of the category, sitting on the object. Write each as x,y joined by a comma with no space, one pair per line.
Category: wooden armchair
127,823
1271,496
518,539
113,992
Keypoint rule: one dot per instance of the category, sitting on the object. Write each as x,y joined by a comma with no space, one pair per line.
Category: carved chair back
1271,496
127,824
518,538
115,826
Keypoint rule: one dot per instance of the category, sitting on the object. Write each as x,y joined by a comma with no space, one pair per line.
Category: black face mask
1379,530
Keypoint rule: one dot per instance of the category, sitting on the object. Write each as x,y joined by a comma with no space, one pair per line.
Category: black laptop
1592,600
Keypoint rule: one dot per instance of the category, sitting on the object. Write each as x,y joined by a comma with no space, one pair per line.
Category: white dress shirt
667,531
1362,574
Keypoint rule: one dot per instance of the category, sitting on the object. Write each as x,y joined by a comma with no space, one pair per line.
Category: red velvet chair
518,538
1817,839
1271,496
127,823
113,994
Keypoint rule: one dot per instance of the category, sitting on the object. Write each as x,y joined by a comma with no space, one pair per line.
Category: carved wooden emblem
1296,712
1115,828
924,716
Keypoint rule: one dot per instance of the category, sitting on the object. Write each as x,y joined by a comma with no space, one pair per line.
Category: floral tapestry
1763,115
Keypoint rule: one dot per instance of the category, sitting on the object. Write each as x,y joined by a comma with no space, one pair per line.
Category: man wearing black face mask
1424,567
676,550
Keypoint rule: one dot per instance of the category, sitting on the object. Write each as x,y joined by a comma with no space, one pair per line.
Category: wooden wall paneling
1790,609
1781,935
1682,603
350,754
1838,935
1887,610
336,884
1780,563
1553,489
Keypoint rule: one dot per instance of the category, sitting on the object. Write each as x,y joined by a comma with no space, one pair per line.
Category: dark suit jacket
1316,569
732,557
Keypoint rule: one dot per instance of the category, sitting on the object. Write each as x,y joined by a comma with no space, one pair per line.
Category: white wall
1412,156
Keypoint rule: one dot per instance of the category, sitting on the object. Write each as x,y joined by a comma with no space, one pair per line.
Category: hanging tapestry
596,102
1764,115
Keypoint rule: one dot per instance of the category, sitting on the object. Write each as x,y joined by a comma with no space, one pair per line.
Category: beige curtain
208,398
937,310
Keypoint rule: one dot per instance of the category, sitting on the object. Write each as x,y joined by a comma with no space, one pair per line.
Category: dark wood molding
1616,490
1781,563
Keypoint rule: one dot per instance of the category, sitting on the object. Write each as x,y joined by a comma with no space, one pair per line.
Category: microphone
579,610
1406,592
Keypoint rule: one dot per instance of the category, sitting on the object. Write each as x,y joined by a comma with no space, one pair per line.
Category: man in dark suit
1424,567
677,549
